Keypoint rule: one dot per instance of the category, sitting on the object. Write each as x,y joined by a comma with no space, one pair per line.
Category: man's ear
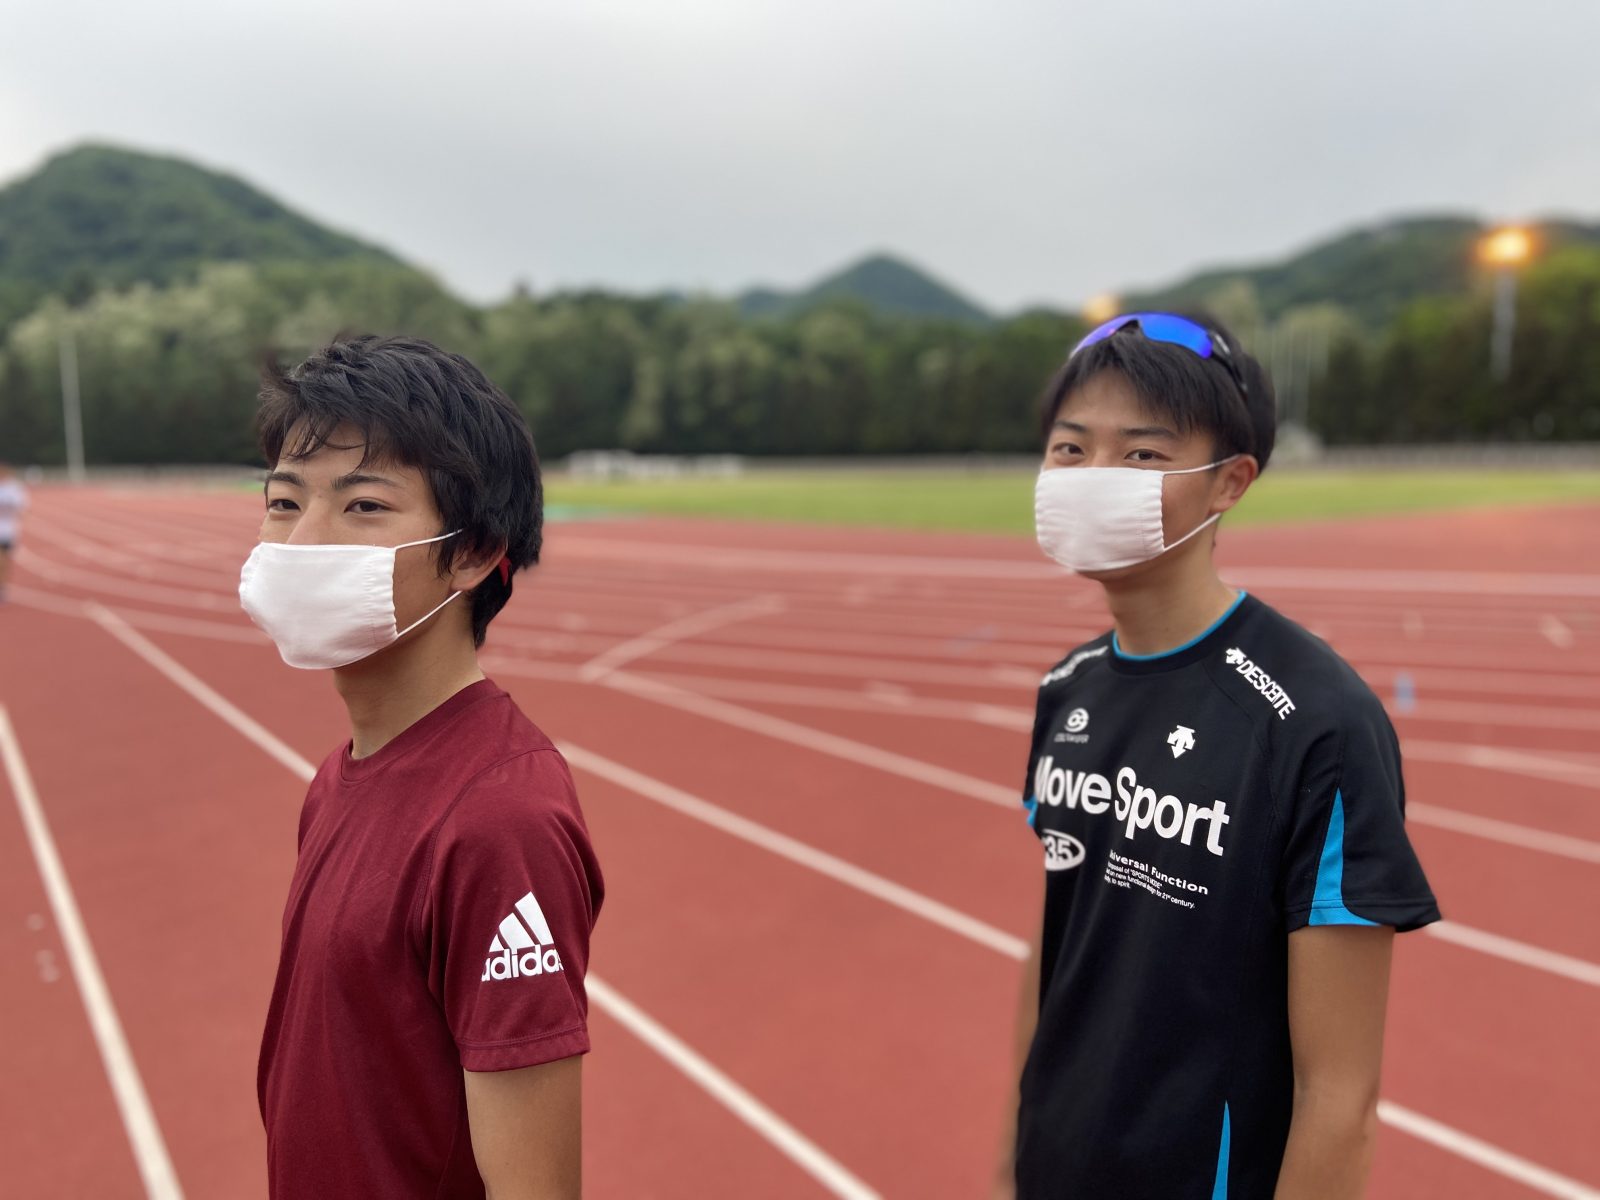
467,572
1233,480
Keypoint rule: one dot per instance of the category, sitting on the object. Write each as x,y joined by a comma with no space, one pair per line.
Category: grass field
1003,502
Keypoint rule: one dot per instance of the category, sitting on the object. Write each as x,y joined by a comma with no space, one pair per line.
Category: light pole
1505,249
71,404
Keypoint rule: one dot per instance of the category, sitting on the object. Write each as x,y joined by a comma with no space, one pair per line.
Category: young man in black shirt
1221,806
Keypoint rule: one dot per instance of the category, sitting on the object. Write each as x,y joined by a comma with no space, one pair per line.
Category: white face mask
326,606
1105,518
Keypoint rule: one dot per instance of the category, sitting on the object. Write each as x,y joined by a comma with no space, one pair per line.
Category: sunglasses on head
1175,331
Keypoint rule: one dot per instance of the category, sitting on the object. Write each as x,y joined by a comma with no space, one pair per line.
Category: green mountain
1373,272
100,215
881,282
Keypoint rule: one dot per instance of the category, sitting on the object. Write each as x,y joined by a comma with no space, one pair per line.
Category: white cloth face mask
326,606
1105,518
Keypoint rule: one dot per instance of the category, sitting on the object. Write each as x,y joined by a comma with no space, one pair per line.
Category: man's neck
1172,602
395,688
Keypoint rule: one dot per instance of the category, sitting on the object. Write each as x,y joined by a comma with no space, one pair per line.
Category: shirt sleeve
1349,861
511,902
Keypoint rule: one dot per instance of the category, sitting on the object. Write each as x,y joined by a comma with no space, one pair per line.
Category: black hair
1178,385
419,406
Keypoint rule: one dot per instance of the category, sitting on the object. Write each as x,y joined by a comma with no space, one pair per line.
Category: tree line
168,374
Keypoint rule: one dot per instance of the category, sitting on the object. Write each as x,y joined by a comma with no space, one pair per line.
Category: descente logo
1138,807
522,947
1270,690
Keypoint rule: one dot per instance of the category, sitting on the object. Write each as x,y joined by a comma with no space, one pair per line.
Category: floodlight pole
1505,322
71,405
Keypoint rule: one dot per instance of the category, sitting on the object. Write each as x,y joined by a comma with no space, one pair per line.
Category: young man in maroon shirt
429,1011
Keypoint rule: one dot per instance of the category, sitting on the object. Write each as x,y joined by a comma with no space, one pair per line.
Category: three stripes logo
523,946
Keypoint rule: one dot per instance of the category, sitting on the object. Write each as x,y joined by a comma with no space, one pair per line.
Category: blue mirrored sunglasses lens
1180,331
1158,327
1102,332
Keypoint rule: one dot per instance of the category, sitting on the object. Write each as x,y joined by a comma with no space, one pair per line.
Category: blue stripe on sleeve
1327,898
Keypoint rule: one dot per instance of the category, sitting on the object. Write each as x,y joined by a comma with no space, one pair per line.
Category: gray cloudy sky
1024,151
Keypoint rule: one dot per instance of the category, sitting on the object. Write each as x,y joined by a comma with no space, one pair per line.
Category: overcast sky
1023,151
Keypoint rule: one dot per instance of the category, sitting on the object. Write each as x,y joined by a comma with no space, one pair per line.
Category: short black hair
1180,386
419,406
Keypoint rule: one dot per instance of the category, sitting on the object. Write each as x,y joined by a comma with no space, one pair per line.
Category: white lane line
773,1128
1577,969
676,631
201,691
820,861
1490,1157
1469,712
1535,764
1504,832
138,1118
779,1133
1555,632
814,739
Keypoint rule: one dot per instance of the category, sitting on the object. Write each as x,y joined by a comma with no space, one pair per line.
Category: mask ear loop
425,616
447,599
1214,517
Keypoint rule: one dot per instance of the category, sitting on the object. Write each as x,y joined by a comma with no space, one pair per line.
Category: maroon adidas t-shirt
438,919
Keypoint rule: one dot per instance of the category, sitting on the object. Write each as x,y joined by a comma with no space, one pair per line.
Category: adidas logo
523,946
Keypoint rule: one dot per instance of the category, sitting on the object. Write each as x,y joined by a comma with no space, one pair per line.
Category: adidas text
540,960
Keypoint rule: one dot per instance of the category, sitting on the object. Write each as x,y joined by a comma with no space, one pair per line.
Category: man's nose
313,527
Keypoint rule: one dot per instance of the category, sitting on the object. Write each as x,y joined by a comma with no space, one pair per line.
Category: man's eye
279,504
366,507
1145,456
1065,448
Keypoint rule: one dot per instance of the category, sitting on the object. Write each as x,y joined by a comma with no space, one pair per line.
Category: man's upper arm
1338,992
507,917
527,1130
1348,861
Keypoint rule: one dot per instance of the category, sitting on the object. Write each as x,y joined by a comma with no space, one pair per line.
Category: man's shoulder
1298,675
1078,663
518,775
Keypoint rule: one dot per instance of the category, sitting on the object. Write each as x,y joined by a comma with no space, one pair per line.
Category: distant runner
13,503
1221,806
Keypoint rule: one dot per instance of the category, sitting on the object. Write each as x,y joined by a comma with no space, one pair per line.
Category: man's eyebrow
362,479
342,484
1137,431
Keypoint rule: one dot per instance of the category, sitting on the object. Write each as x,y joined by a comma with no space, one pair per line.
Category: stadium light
1101,308
1505,249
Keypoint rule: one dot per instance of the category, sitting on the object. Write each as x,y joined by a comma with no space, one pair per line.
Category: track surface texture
798,751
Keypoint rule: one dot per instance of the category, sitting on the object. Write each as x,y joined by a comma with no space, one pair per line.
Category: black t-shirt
1196,807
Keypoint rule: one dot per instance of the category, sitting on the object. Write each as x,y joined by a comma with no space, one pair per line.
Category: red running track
798,751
